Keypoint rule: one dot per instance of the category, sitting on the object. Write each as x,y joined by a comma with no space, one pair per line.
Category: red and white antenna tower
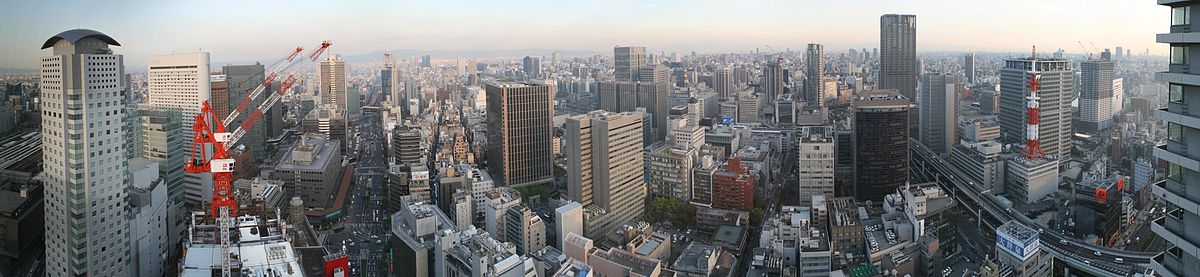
1032,110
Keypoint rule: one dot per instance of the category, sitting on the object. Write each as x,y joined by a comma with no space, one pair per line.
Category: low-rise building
525,229
983,163
700,260
311,170
670,168
733,186
326,121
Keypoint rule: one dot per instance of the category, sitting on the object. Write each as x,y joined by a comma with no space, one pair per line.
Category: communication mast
1032,149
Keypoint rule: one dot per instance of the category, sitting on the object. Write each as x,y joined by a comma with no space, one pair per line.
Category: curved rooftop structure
75,35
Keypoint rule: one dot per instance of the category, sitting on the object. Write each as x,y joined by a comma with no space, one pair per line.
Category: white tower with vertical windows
84,165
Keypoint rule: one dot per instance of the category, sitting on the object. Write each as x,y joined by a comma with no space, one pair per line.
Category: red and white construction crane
211,143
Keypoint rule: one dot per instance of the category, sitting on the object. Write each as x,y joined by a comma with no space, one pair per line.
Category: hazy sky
266,30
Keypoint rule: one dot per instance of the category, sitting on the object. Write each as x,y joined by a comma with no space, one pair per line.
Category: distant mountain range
11,70
409,53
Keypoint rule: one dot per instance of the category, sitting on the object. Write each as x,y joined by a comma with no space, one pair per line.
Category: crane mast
211,143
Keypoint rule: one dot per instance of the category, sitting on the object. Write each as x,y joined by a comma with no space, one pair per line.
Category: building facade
817,159
1096,94
606,175
814,70
628,62
733,186
898,53
880,144
332,75
311,171
1182,255
939,111
81,89
1055,93
519,134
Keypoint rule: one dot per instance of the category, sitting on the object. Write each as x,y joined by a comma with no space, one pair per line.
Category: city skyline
666,138
237,35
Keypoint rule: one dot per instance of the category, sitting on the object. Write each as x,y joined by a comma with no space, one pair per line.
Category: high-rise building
628,96
532,67
1120,51
519,134
388,81
332,73
406,145
1183,91
628,61
898,60
939,111
82,155
816,163
1096,94
654,73
773,80
219,86
426,61
605,170
723,82
240,79
157,134
702,176
814,88
180,81
1055,93
969,68
880,144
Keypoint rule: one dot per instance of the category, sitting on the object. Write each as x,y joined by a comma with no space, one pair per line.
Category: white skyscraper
816,163
84,166
180,81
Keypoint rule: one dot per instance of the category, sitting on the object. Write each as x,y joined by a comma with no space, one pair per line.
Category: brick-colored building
733,186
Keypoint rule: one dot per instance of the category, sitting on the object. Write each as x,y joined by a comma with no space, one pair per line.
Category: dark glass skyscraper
880,143
519,133
898,60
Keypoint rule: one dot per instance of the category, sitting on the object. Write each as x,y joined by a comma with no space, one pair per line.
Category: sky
267,30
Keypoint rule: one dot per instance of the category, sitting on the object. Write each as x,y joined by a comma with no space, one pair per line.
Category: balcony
1178,78
1178,118
1160,267
1183,201
1178,37
1169,229
1182,160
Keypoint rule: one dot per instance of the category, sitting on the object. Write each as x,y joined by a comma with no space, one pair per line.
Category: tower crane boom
211,143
